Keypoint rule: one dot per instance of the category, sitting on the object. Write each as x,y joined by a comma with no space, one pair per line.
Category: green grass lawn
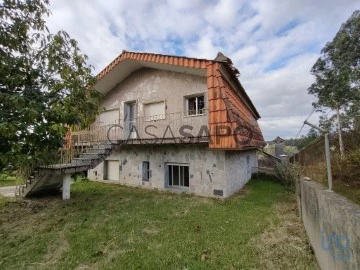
107,226
7,180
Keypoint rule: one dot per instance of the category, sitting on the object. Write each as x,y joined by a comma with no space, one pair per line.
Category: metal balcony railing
157,127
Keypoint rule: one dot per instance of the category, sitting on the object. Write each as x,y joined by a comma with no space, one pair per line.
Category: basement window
146,173
195,105
178,175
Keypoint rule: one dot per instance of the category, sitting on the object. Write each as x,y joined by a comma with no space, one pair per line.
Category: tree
337,72
45,84
304,141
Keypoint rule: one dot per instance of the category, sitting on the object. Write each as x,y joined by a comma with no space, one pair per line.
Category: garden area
116,227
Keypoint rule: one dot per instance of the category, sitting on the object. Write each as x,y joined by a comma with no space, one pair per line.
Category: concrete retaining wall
332,223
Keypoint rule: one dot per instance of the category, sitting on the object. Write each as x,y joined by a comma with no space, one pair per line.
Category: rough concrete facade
211,173
209,170
145,86
239,168
148,85
332,223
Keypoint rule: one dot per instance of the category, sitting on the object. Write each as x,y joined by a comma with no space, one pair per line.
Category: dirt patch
151,231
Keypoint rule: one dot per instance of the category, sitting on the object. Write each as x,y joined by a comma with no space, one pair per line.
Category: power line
297,135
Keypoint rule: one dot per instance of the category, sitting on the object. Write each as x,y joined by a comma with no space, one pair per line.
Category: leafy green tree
337,72
45,84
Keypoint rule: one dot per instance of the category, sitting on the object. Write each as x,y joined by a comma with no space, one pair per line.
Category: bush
288,174
347,169
80,176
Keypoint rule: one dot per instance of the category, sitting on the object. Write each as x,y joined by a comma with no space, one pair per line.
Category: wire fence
345,170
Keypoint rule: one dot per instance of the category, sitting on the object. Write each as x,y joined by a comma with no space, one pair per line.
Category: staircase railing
96,135
23,173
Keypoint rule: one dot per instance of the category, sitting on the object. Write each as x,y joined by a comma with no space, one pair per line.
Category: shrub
347,169
288,174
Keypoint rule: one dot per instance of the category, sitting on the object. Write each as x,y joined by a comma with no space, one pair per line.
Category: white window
154,111
177,175
195,105
109,117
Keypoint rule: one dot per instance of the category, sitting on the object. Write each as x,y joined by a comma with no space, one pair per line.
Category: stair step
96,151
102,146
81,161
91,155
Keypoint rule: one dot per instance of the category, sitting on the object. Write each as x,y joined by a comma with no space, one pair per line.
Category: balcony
165,128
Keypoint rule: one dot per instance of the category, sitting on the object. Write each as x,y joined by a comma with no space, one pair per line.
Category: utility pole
327,152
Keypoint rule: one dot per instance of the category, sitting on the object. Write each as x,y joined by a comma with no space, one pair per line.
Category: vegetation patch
110,226
7,180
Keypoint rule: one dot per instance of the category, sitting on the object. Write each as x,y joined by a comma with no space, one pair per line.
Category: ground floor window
146,174
178,175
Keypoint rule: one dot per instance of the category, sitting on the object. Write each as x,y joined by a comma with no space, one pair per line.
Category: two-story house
184,123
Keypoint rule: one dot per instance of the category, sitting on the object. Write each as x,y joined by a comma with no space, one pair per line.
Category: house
169,122
183,123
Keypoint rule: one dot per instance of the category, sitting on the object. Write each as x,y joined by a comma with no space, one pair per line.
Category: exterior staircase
86,148
49,178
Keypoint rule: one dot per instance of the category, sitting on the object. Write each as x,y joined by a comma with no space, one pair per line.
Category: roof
229,104
179,61
278,140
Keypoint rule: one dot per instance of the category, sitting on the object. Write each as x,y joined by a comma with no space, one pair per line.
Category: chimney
279,146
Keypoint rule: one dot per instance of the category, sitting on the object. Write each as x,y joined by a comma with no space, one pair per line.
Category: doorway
130,120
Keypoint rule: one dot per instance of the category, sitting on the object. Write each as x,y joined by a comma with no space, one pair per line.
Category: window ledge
178,188
162,119
194,115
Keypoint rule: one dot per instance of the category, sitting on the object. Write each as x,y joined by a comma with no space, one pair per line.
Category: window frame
147,118
182,173
196,96
146,172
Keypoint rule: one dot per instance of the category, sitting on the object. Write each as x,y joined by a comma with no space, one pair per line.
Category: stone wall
209,170
332,223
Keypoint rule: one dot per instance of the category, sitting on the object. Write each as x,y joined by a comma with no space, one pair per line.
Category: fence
345,170
167,126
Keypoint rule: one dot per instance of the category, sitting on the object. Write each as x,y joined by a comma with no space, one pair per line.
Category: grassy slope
114,227
7,180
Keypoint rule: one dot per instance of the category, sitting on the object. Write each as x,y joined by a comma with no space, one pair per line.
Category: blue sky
273,43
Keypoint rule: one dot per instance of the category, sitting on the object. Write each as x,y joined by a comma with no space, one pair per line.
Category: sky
273,43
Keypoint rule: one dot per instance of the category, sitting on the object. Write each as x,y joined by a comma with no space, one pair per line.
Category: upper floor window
195,105
154,111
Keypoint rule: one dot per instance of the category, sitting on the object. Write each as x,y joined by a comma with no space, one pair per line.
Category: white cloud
273,43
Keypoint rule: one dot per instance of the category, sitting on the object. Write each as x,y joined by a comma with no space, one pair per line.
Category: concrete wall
209,170
151,85
147,85
239,168
333,225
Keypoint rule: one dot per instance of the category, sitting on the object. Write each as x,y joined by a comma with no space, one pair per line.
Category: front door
111,170
130,120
